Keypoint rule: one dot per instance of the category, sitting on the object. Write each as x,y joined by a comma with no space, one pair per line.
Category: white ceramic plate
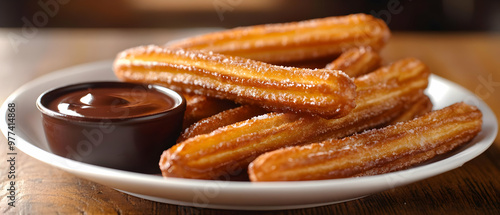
225,194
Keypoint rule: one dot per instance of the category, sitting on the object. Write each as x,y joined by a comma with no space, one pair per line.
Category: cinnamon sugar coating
294,41
328,93
356,61
373,152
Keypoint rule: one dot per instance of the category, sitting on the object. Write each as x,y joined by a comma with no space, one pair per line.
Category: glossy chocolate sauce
113,102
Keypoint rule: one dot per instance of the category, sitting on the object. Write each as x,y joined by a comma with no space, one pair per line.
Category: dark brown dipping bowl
126,142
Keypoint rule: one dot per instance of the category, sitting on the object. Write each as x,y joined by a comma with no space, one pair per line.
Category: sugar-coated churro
412,110
328,93
295,41
200,107
221,119
373,152
356,61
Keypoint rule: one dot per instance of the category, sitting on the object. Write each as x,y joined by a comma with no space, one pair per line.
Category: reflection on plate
225,194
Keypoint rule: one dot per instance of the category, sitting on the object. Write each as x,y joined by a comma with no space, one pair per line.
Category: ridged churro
373,152
221,119
199,107
381,96
413,110
294,41
356,62
328,93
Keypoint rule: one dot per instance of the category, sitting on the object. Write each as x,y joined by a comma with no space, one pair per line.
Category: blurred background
404,15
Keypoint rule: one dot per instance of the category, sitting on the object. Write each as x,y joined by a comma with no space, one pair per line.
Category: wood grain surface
470,60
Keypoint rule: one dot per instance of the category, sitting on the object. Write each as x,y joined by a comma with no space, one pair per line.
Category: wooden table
470,60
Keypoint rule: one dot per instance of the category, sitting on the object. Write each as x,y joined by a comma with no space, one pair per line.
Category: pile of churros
251,113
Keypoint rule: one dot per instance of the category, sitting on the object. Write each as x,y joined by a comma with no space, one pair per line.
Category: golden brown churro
200,107
413,110
223,118
328,93
295,41
381,96
373,152
356,62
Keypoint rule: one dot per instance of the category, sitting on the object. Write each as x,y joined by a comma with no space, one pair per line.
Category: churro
356,62
294,41
373,152
328,93
221,119
381,96
413,110
199,107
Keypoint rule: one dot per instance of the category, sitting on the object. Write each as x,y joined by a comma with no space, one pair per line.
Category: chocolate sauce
112,102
